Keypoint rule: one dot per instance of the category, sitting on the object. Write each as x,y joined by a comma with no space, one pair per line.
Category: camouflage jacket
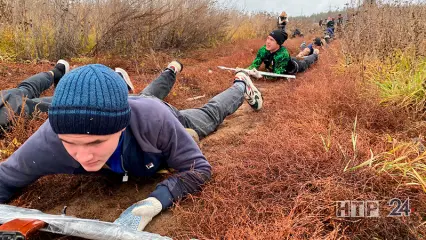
275,62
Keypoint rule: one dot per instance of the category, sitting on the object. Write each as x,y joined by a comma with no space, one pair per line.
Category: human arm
182,154
260,56
185,157
42,154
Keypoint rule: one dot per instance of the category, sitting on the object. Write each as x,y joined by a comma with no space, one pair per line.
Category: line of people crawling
327,24
97,123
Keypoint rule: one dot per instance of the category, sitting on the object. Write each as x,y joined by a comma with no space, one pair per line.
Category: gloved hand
140,214
254,73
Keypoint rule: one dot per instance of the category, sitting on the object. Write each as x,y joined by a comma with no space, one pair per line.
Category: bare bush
251,26
376,30
195,22
55,29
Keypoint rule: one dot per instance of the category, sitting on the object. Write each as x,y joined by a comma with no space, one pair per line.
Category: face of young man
91,151
271,44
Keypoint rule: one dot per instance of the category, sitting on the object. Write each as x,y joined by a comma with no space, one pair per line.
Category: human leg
162,85
306,62
207,119
13,99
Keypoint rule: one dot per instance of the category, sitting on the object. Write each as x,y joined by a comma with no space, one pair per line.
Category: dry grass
20,129
278,181
386,42
280,175
125,28
375,31
274,179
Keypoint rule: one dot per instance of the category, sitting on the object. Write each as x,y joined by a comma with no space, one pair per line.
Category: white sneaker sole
126,78
65,63
252,95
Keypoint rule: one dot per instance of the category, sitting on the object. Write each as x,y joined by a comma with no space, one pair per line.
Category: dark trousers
12,100
203,120
301,65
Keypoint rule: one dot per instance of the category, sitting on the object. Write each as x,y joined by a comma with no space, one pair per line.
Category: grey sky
292,7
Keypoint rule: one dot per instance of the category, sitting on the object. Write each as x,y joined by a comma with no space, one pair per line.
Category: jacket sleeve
259,59
42,154
185,156
281,62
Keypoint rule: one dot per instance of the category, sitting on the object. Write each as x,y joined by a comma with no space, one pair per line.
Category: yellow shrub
7,50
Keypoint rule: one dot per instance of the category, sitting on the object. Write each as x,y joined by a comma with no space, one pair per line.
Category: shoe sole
258,97
126,78
66,64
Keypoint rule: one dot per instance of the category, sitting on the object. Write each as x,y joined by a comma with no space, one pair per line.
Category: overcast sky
292,7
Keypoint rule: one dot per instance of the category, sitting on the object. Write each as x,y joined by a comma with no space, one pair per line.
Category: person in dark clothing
297,65
339,20
311,48
94,125
26,94
297,33
282,21
330,23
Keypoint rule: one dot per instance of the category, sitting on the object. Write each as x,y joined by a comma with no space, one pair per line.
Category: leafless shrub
55,29
376,30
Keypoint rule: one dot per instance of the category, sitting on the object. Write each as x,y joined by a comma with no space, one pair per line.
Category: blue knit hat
90,100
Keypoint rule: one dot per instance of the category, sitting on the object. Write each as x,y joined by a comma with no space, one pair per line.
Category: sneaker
66,66
302,46
61,68
193,134
252,94
298,57
126,78
176,66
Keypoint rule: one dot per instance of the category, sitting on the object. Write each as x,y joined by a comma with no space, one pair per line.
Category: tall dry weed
376,30
71,28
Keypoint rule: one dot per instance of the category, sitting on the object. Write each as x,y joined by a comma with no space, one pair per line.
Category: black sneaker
61,68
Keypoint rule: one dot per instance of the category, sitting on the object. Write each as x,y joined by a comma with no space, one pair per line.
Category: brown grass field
274,178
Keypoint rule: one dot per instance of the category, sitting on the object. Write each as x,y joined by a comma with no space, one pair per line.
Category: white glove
254,73
140,214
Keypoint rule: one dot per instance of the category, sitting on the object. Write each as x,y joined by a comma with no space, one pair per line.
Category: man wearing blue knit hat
25,98
93,124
